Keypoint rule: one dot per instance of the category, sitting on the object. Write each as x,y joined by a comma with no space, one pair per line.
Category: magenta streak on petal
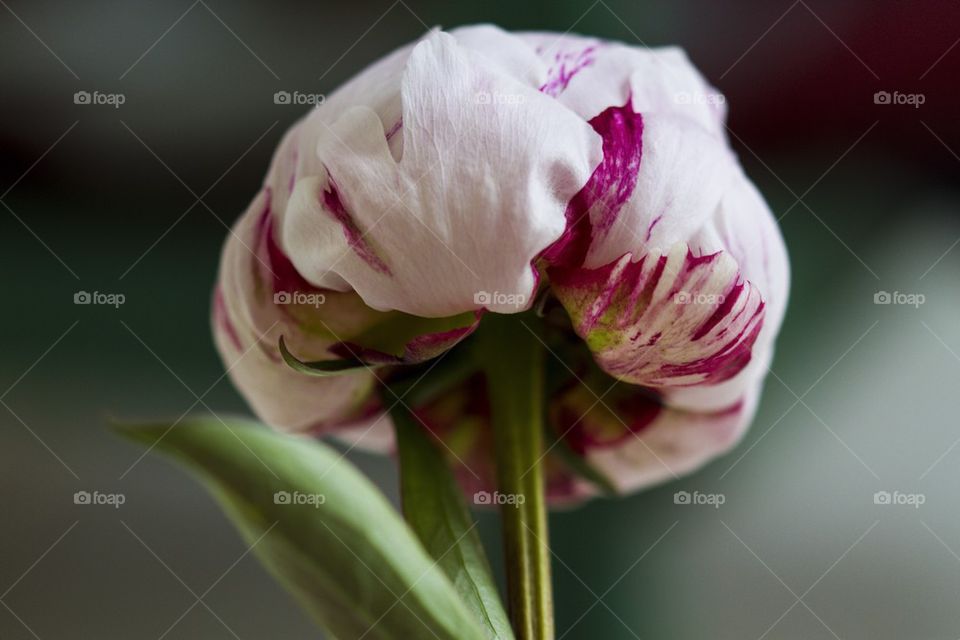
652,225
222,319
285,276
272,265
728,358
559,75
641,296
732,410
351,232
622,132
723,364
631,299
730,297
433,344
609,187
394,129
690,278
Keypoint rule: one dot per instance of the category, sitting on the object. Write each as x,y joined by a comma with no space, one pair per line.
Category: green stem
512,357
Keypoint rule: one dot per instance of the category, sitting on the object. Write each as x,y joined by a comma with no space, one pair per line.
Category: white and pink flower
590,175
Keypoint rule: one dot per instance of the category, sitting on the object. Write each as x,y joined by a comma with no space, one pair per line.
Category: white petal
487,169
683,175
589,75
512,55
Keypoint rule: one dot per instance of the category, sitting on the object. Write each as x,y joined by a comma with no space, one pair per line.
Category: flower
476,171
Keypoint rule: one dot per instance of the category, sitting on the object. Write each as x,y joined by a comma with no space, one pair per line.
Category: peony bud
478,171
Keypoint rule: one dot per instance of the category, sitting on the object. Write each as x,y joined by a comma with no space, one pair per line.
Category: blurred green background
863,397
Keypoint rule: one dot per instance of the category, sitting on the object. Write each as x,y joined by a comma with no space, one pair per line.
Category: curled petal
661,180
588,75
595,208
664,321
487,168
682,177
676,442
248,322
261,297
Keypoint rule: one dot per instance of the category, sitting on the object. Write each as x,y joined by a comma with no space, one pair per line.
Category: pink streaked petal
592,212
588,75
566,65
677,442
356,240
684,175
664,321
270,262
248,322
249,318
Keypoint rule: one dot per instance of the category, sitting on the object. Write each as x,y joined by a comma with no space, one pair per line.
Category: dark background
136,200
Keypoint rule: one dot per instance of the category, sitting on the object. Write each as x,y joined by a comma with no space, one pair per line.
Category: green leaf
322,529
321,368
434,507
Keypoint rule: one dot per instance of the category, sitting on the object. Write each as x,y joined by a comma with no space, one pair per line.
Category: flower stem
512,358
